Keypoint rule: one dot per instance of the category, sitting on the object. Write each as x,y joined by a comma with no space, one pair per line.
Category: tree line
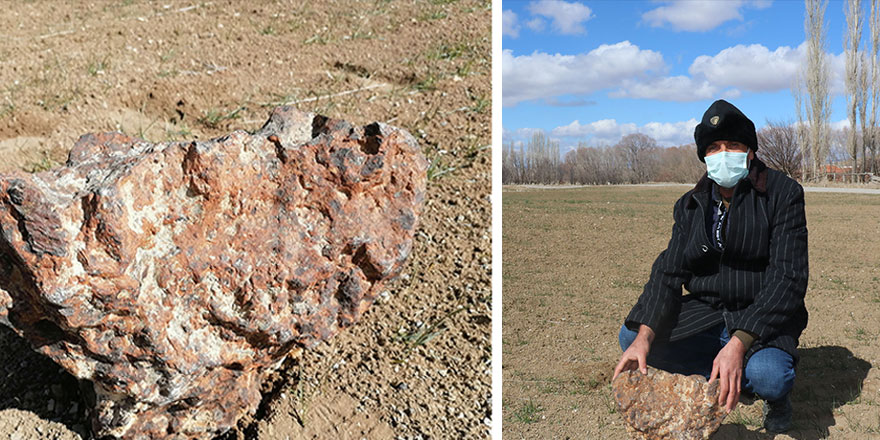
637,158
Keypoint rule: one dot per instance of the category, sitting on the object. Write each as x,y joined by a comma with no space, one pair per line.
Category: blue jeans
769,373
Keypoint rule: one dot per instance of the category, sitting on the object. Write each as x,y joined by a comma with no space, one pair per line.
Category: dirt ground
574,263
418,365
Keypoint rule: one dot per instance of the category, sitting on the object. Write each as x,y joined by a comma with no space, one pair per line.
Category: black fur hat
723,121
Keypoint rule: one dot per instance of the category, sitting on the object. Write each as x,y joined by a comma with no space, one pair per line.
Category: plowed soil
418,364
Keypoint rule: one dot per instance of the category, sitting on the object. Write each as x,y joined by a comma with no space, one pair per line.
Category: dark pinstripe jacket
756,284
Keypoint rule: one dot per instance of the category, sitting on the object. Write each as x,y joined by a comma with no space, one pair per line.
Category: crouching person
739,247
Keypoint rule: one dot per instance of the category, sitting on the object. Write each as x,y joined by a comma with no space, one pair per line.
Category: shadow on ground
828,377
32,382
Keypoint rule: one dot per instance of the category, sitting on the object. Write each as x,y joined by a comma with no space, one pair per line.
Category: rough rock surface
174,276
667,406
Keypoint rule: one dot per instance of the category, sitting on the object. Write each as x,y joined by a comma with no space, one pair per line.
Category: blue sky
594,71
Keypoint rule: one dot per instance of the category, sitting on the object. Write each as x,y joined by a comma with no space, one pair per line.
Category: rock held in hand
174,276
667,406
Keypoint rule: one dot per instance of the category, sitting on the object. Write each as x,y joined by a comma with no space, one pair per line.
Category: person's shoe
777,415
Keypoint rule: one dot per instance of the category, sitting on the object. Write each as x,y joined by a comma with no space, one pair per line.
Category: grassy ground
575,261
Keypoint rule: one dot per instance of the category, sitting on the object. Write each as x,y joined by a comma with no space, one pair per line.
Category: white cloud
754,68
837,64
509,24
671,133
541,75
671,88
575,102
842,124
609,131
536,24
630,72
601,129
520,134
698,15
566,18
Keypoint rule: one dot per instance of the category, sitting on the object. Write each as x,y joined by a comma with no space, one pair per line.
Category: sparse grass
304,393
44,163
839,283
167,56
465,69
474,149
183,132
608,401
449,52
740,416
427,84
425,333
481,103
529,412
57,101
268,30
143,130
96,68
438,169
7,109
214,117
435,15
317,38
360,35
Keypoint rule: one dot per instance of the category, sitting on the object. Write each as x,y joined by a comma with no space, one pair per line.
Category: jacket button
704,248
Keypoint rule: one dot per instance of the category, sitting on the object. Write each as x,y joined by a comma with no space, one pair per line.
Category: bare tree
541,160
875,87
853,71
679,164
838,151
815,78
863,104
778,148
511,164
639,150
801,126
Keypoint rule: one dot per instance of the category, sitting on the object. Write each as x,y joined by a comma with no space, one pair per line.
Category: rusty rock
666,406
175,276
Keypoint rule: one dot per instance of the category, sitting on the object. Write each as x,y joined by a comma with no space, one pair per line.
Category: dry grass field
574,262
418,364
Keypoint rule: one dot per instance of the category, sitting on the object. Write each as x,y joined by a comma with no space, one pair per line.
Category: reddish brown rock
666,406
174,276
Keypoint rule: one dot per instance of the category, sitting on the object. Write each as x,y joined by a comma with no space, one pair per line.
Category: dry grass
575,261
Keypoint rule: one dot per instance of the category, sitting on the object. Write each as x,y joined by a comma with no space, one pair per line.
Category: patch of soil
418,364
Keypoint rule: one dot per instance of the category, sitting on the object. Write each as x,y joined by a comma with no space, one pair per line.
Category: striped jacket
757,283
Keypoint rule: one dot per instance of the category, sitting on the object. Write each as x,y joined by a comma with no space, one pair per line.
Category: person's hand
636,355
728,369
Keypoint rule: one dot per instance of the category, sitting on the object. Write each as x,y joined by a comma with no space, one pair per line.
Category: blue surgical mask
727,167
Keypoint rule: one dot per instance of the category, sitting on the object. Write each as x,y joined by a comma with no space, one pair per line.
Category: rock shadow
32,382
828,377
